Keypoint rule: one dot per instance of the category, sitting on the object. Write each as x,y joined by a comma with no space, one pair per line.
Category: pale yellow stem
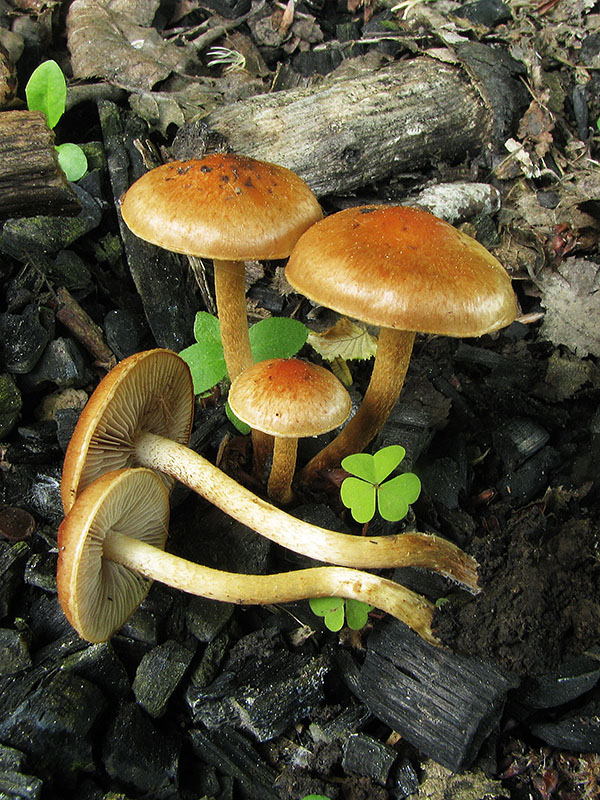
153,563
406,549
279,487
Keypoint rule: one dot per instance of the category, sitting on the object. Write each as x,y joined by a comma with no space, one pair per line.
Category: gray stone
159,674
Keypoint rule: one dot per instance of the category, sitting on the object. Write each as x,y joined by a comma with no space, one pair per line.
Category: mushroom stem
284,587
279,487
230,294
394,349
405,549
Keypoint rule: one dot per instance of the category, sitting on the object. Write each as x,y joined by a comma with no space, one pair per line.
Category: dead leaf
346,339
106,42
571,297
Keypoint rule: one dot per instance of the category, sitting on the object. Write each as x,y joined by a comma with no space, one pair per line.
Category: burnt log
31,180
349,132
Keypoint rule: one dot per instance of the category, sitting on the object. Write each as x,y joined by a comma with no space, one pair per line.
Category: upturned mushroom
111,546
288,398
147,399
405,271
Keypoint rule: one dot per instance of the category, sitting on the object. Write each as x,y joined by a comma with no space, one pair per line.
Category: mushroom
228,208
148,397
288,398
110,546
405,271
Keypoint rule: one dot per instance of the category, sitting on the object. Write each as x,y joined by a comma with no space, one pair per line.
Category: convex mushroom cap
288,398
223,206
406,271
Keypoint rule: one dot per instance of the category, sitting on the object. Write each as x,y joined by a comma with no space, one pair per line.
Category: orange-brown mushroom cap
222,206
289,397
151,392
403,268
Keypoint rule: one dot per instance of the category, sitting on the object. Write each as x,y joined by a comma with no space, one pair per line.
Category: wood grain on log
350,132
31,181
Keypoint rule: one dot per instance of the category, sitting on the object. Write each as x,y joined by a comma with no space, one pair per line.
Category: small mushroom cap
96,594
400,267
289,397
223,206
150,392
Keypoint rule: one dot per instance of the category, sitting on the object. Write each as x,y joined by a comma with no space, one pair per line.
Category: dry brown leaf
571,297
106,42
346,339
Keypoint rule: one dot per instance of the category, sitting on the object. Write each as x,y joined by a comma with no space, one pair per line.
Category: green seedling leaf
206,327
359,497
277,337
357,614
205,359
236,421
315,797
72,160
46,91
386,460
395,496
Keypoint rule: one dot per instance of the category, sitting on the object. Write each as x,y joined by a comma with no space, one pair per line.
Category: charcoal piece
572,680
145,624
99,664
322,60
139,756
205,619
159,674
36,444
47,620
15,786
123,332
231,754
404,780
44,496
11,558
69,270
530,479
443,481
349,721
212,658
52,725
10,404
62,365
485,12
25,238
265,698
443,703
518,439
230,9
14,652
11,759
364,755
40,571
22,340
579,731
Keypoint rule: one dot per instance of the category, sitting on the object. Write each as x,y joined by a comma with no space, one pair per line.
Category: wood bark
350,132
31,181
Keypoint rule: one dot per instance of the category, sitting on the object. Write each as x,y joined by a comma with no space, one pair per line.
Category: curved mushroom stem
230,294
394,349
284,587
405,549
279,487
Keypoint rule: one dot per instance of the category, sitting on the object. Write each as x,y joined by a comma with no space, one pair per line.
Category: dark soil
539,606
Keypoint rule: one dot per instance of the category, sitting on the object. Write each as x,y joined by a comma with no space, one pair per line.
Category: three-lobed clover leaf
367,489
335,609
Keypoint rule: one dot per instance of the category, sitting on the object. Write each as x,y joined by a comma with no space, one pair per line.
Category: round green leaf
386,460
359,497
206,364
362,465
72,160
334,620
277,337
46,91
357,614
323,605
394,496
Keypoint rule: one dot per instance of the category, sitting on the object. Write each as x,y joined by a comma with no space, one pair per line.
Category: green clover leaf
365,489
333,610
